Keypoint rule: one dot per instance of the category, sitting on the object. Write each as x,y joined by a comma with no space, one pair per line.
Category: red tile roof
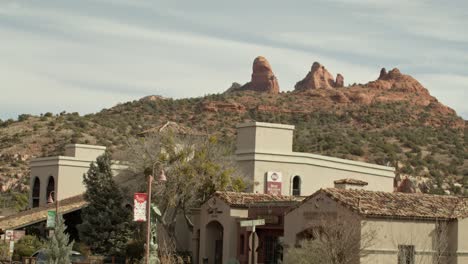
236,199
39,214
401,205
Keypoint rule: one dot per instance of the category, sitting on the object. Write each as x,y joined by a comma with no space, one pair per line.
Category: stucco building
403,228
61,177
280,179
265,153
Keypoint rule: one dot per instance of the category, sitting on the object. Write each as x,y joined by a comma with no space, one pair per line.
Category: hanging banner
274,182
139,207
50,219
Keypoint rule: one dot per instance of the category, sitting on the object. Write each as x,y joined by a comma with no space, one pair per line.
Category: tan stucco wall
82,151
316,212
228,219
67,171
265,137
263,147
460,235
392,232
43,173
387,233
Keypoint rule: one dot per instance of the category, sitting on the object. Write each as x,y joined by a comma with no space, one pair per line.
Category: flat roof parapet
267,125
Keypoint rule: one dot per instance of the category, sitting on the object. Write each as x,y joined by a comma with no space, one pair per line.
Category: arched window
296,188
36,192
50,189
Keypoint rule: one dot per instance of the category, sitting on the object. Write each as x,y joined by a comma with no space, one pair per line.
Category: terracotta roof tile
351,181
236,199
401,205
39,214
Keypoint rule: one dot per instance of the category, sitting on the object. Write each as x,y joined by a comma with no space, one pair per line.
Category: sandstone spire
317,78
263,79
339,81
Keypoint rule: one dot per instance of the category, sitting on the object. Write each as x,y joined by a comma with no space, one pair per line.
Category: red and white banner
139,208
274,182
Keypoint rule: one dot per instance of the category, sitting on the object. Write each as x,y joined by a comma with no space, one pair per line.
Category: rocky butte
319,78
263,79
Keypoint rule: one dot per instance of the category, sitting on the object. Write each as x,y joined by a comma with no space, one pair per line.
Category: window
51,189
296,189
405,254
36,192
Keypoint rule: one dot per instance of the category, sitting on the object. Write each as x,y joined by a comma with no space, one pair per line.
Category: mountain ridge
392,119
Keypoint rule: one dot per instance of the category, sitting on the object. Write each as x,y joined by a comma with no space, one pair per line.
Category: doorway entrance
214,242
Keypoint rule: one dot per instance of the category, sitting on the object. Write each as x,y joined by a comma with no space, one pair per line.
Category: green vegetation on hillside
420,140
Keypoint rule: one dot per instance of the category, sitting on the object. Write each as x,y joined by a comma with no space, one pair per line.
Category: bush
23,117
26,246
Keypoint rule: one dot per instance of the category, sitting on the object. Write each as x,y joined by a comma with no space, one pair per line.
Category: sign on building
9,234
274,182
140,201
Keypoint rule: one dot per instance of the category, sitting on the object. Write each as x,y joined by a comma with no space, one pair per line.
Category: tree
196,167
58,248
106,226
332,241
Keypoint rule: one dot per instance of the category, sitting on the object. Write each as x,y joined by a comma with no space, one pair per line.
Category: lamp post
161,178
50,200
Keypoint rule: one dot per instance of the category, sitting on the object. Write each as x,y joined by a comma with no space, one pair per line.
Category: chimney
349,184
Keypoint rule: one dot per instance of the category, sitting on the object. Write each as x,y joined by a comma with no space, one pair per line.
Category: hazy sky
85,55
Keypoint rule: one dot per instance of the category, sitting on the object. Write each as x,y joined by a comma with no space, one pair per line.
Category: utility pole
148,218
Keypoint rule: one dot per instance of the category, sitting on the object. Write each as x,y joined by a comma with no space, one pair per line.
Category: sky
82,56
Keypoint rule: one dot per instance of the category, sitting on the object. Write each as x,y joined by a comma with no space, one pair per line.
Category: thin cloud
90,58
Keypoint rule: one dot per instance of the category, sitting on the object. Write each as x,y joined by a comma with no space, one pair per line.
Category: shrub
23,117
26,246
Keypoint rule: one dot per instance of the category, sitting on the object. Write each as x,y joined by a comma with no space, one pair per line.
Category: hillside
392,120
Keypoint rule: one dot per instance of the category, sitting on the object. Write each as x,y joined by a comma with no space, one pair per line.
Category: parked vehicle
41,257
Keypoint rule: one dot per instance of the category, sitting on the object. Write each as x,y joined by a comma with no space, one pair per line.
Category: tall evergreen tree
106,226
58,248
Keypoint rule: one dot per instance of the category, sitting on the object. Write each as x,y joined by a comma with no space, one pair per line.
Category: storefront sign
9,234
274,182
50,219
140,201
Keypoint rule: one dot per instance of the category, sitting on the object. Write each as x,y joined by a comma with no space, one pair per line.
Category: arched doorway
36,192
214,242
50,188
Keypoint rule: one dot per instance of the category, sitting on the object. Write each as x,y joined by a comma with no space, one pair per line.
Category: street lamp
51,200
162,178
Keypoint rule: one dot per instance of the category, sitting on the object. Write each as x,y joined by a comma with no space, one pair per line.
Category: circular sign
274,177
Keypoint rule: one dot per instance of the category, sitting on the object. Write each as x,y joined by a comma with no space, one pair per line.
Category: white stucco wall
67,171
264,147
227,217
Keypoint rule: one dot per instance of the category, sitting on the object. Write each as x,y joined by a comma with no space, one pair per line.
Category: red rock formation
216,106
395,80
263,79
339,81
318,77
